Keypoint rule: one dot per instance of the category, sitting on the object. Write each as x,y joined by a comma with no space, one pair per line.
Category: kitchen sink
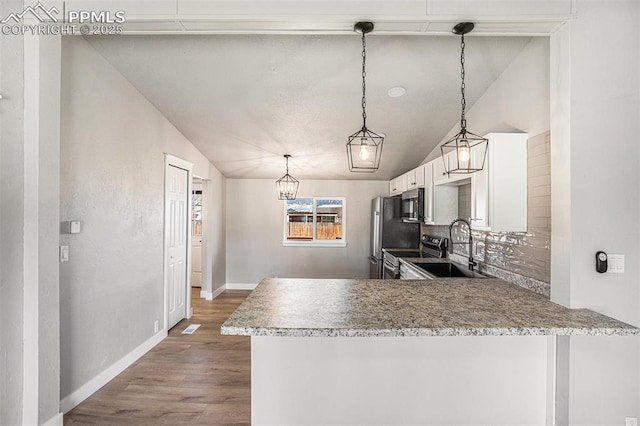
446,269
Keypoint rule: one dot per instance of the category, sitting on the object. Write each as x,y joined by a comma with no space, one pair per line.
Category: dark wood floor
199,379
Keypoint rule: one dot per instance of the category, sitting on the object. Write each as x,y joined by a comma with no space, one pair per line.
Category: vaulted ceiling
245,100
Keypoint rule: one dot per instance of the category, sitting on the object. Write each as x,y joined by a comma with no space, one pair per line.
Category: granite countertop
438,307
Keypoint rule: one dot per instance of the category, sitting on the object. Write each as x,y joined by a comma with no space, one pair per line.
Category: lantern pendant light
469,150
287,185
364,147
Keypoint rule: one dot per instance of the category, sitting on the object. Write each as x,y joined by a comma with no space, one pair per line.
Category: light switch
64,253
616,263
73,226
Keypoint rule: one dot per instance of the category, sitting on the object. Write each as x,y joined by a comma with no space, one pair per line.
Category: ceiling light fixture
396,92
287,185
364,147
470,149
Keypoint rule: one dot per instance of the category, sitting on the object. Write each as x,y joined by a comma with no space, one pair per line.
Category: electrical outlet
630,421
155,328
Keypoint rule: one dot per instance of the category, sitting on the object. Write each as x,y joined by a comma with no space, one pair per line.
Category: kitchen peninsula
382,351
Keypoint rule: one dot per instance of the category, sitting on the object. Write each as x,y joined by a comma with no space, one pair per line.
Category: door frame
205,291
173,161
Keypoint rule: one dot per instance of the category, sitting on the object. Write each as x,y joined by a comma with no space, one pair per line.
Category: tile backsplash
527,253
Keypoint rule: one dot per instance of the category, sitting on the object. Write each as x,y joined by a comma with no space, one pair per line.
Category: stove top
403,253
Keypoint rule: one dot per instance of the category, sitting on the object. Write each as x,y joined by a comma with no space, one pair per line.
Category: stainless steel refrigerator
389,231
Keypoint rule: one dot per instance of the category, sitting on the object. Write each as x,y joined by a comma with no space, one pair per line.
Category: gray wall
112,180
255,229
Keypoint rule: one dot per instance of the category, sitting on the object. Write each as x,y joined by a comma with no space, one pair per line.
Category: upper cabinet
439,171
441,201
440,175
416,178
398,185
428,193
499,191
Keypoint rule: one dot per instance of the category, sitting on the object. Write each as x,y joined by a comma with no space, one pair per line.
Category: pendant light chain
287,159
364,147
463,101
364,84
468,150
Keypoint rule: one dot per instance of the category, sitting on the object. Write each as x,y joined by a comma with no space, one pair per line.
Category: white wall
461,380
255,229
48,109
214,230
29,188
595,108
112,180
11,227
517,101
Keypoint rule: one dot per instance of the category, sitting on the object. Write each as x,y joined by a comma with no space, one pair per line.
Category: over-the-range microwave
413,205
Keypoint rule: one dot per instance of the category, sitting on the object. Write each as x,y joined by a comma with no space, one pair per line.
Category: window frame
315,242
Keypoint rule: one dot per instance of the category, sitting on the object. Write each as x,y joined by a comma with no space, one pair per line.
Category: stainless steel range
432,246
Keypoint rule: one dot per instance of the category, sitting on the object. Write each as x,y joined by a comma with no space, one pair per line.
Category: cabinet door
420,176
411,179
392,186
439,171
428,192
402,182
480,191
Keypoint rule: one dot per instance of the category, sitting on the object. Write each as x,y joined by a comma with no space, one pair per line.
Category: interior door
176,199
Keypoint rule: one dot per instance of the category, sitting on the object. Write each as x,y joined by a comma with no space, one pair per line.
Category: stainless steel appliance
388,230
413,205
432,246
391,264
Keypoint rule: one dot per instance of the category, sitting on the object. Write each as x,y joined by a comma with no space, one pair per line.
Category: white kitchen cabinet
428,193
398,185
439,171
416,178
440,201
445,204
499,190
440,175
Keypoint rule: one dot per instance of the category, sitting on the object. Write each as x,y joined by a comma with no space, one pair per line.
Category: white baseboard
210,295
93,385
240,286
217,292
56,420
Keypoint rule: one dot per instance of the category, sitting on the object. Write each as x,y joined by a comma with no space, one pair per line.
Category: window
315,221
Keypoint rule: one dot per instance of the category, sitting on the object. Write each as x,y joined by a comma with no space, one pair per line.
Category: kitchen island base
489,380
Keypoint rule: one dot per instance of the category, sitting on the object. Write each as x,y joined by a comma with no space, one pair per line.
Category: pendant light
469,149
364,147
287,185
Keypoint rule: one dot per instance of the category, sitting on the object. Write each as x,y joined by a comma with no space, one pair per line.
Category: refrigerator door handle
372,260
375,240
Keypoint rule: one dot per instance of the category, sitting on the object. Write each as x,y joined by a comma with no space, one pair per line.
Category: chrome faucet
472,263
